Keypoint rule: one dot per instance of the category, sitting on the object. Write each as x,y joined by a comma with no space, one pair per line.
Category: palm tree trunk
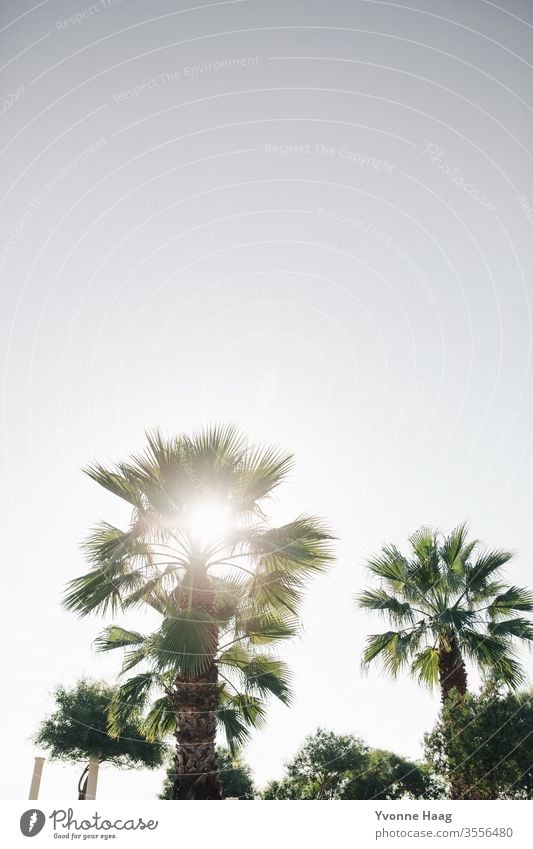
195,704
452,670
452,676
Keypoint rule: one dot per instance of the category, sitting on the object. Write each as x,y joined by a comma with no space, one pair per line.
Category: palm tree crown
447,604
199,550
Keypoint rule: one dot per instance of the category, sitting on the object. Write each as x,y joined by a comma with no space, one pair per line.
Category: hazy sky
313,219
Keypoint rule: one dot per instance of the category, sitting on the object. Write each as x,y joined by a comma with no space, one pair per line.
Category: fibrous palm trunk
452,670
452,676
195,703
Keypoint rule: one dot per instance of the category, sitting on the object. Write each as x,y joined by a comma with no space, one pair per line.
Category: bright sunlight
208,522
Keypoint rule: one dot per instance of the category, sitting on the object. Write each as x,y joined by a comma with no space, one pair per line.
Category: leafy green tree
341,766
447,604
389,776
199,550
482,746
77,731
235,777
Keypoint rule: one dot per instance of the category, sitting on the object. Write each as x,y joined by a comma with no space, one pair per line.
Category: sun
208,522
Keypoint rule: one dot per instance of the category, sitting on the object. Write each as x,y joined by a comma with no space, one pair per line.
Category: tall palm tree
447,604
200,552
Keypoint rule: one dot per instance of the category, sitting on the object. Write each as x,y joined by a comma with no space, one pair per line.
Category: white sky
348,300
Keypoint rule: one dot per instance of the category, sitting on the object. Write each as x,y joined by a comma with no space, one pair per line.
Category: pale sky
313,219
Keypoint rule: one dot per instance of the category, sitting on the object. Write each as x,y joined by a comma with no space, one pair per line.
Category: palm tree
200,552
447,604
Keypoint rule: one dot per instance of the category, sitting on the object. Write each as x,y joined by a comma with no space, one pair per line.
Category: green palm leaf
268,627
99,591
376,644
399,612
514,598
129,701
115,637
187,643
116,483
391,566
425,666
487,566
518,627
232,723
237,715
160,720
263,470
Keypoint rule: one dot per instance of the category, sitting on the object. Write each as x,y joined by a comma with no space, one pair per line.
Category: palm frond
133,658
213,456
518,627
394,649
159,721
229,591
114,548
129,701
514,598
286,557
262,470
99,591
162,453
454,618
115,637
424,543
272,589
425,666
488,565
222,443
187,643
259,674
305,543
116,483
251,708
390,565
454,550
493,654
235,656
237,714
424,570
398,652
398,612
268,627
376,644
231,722
269,677
149,592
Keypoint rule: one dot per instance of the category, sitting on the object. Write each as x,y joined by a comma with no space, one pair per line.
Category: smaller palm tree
447,604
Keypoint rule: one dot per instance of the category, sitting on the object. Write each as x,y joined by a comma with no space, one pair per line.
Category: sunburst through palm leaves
199,550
